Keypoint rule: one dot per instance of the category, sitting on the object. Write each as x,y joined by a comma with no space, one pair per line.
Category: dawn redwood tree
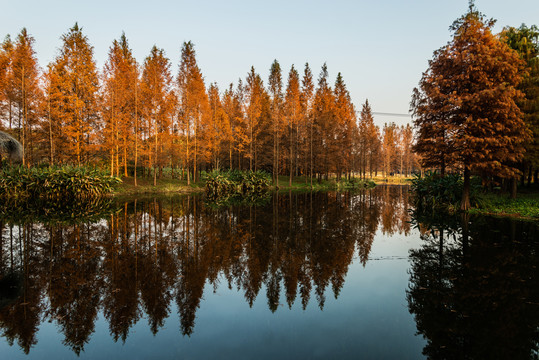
241,124
217,132
157,104
73,97
293,115
375,150
389,147
254,95
120,82
467,102
6,112
324,124
525,40
407,139
234,132
275,84
193,103
346,127
24,90
368,139
307,90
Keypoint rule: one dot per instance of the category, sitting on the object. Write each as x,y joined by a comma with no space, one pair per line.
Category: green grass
301,183
392,180
526,205
164,186
169,186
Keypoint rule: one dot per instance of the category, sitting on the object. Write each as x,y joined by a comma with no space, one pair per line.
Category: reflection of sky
369,320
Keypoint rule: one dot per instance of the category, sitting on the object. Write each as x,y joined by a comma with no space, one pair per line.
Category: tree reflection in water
144,255
474,288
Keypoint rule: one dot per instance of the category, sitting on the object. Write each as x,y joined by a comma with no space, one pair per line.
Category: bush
235,182
54,182
435,192
355,183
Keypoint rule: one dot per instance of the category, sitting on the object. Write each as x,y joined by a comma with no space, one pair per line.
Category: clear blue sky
381,47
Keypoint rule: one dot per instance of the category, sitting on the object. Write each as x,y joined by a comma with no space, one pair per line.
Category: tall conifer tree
525,40
193,103
275,84
157,105
293,115
307,89
23,90
468,97
74,89
119,95
254,92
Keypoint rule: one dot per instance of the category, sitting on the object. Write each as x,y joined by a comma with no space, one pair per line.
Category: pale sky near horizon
380,47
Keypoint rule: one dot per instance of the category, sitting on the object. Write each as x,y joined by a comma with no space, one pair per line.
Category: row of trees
130,116
477,105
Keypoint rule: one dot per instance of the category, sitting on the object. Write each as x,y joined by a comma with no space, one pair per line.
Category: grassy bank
392,180
437,194
525,206
170,186
301,183
163,186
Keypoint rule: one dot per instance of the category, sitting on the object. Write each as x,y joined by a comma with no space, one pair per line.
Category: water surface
302,275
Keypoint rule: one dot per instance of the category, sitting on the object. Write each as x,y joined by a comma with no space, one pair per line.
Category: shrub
55,182
436,192
354,183
235,182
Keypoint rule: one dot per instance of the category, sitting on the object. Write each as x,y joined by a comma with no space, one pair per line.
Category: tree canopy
128,116
465,109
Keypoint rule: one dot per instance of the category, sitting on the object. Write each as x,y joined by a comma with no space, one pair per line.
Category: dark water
322,275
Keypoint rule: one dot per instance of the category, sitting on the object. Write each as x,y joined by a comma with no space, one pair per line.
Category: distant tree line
133,117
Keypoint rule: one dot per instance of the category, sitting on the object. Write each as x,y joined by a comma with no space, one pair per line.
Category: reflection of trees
20,319
474,289
136,261
395,205
74,283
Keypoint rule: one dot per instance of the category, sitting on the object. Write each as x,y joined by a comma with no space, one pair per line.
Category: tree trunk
125,157
291,162
465,203
442,167
136,137
514,188
187,157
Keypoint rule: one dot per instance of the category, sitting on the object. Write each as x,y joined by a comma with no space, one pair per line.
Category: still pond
322,275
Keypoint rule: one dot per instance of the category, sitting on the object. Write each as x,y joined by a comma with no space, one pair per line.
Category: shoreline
174,186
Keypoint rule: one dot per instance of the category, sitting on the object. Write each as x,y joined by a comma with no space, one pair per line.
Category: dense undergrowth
526,205
433,192
222,185
55,183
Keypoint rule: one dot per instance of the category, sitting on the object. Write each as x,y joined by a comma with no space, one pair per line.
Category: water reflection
136,261
474,288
